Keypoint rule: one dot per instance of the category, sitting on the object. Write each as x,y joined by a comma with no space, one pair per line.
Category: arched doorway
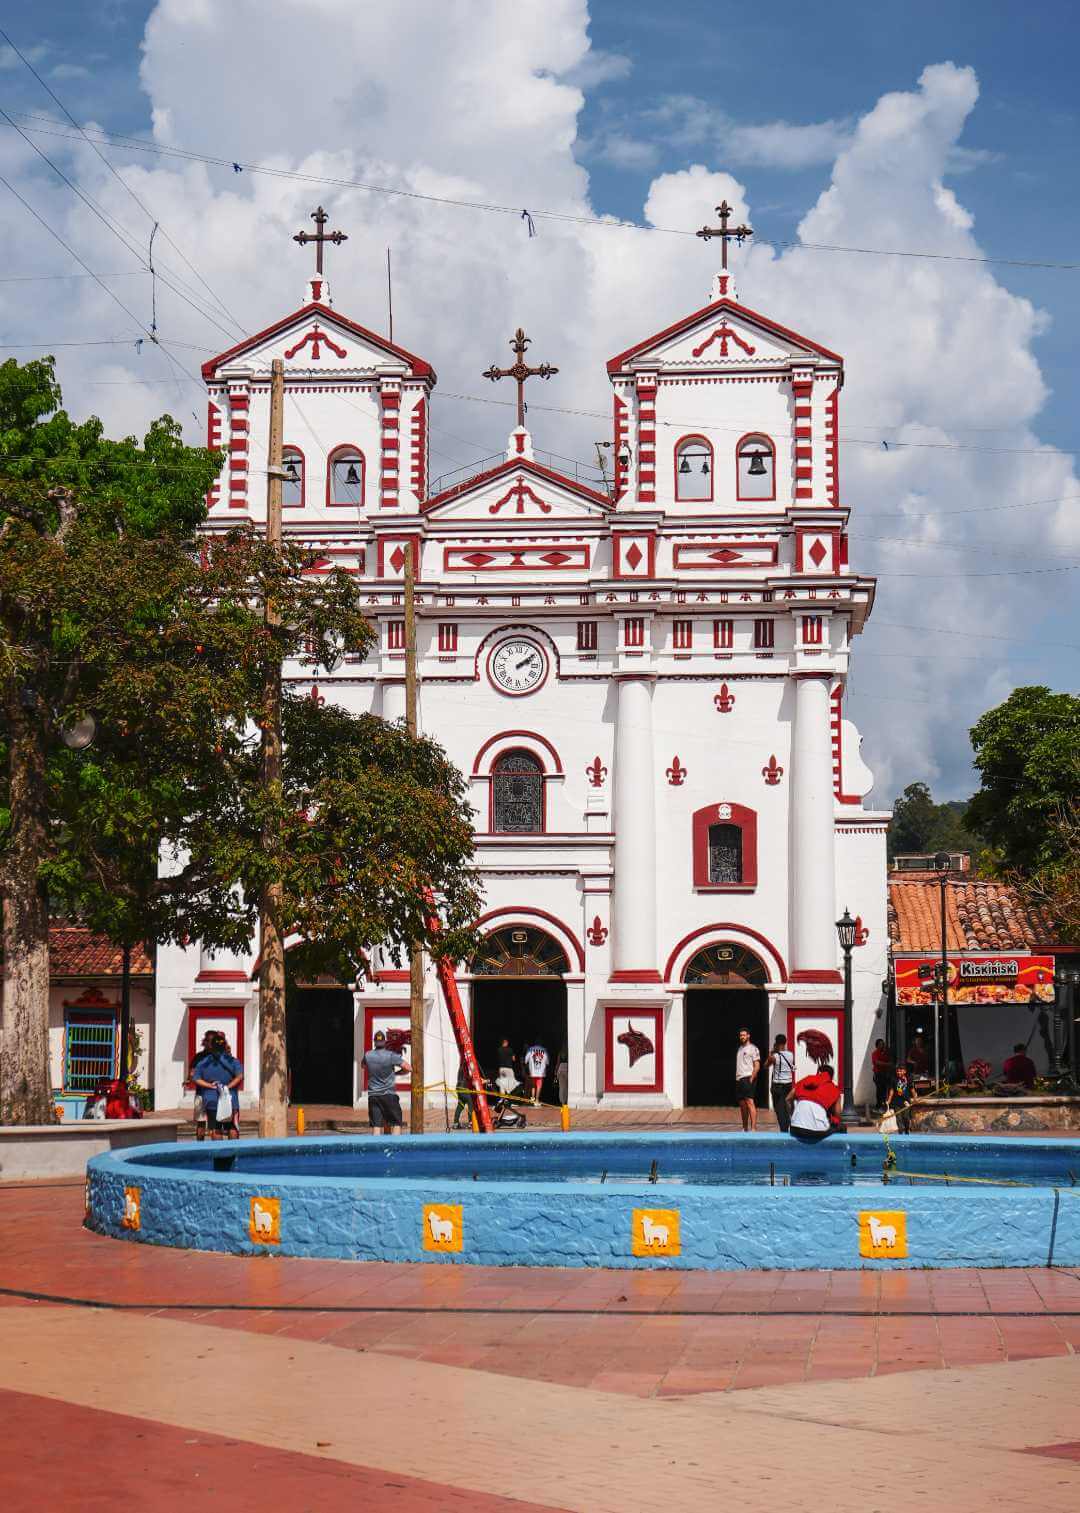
725,991
518,991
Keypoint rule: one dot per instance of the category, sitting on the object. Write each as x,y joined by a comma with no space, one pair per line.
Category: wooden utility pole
416,953
273,1091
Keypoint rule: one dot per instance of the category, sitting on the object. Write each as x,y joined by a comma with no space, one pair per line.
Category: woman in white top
781,1064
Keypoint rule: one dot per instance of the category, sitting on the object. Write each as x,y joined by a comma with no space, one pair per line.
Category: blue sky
772,94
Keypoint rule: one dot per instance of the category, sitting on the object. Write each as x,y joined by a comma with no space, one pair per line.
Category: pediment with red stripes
725,335
518,492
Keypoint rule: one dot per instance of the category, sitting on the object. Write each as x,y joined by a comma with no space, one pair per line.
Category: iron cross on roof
725,232
320,237
520,371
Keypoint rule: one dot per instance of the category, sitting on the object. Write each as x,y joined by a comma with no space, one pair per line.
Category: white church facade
643,684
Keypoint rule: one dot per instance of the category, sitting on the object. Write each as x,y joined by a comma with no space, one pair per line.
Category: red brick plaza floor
635,1335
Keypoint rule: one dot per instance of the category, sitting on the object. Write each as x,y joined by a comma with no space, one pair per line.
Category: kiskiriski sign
999,978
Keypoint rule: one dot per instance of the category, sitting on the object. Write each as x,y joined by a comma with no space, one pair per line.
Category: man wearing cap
384,1105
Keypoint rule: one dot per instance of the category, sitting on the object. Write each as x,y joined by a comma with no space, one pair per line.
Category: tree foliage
920,826
1027,751
112,607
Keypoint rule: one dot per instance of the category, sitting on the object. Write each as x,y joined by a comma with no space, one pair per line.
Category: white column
634,901
813,885
393,700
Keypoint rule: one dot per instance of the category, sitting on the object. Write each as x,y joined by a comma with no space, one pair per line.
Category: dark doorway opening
525,1012
714,1017
319,1039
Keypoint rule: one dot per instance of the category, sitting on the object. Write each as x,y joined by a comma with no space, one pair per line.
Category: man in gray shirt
384,1105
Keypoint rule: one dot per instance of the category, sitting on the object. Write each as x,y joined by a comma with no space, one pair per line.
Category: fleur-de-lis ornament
772,773
315,696
597,933
724,701
676,773
596,772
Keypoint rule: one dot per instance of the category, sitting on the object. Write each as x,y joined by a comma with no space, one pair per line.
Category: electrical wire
607,223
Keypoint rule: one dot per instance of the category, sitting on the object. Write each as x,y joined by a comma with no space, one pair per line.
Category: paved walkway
438,1387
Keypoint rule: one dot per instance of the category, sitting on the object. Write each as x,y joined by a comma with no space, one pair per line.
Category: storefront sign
1002,978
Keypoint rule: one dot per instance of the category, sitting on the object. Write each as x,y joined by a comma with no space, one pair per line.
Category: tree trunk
25,1090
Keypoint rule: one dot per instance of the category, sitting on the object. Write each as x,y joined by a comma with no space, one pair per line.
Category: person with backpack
780,1064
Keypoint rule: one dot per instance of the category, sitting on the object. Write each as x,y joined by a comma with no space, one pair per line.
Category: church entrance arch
725,992
519,992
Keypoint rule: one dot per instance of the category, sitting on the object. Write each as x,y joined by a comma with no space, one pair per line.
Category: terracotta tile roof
76,952
979,916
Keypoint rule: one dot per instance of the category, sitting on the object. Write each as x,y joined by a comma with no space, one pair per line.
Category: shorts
383,1108
744,1087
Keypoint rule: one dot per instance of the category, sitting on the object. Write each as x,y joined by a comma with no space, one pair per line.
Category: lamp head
846,930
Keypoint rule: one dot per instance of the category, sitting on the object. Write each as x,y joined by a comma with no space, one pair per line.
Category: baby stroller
505,1114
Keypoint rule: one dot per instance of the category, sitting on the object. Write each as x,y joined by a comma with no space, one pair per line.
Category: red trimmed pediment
518,490
322,335
723,331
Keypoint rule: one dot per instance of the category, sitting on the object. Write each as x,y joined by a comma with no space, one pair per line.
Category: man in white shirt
747,1067
781,1063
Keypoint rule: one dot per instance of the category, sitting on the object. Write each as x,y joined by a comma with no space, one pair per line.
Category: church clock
517,667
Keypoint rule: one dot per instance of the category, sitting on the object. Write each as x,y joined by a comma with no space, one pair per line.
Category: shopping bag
889,1125
224,1106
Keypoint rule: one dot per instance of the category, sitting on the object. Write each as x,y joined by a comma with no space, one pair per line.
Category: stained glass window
725,854
517,794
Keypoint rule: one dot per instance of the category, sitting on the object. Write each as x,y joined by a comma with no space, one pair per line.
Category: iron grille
725,854
518,794
90,1053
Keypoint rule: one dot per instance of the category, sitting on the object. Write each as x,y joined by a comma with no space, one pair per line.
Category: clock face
517,666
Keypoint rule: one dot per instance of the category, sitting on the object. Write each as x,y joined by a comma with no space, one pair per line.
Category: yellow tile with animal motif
264,1225
655,1232
442,1226
883,1235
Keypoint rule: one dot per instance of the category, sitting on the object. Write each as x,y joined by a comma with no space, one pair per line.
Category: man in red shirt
815,1104
1019,1068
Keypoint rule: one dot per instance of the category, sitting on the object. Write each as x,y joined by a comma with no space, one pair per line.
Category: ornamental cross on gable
726,233
320,237
520,371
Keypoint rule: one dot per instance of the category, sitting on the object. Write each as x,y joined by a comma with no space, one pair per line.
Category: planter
62,1150
995,1115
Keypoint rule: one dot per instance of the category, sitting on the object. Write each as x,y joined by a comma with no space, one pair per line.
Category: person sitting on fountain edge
815,1102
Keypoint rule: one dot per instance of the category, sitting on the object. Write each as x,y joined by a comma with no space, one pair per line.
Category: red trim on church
713,310
832,446
717,930
524,465
836,722
419,449
417,365
517,735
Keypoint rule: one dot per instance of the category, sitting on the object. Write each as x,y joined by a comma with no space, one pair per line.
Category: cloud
69,71
416,97
598,68
688,121
9,59
619,150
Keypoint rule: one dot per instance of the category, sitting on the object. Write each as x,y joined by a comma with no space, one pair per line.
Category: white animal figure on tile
654,1234
264,1219
882,1234
131,1207
441,1229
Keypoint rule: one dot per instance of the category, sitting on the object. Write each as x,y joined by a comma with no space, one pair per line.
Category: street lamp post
942,863
1066,980
846,930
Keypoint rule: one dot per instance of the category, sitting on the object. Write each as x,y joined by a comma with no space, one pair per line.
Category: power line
607,223
112,225
89,140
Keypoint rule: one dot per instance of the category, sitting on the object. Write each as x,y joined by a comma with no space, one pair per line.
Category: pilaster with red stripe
832,446
802,388
239,407
390,399
646,438
418,453
213,444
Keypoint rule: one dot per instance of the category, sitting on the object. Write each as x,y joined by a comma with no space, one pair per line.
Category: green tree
108,609
921,826
1027,752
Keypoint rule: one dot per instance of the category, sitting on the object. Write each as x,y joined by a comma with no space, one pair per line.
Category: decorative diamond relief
397,559
818,552
634,557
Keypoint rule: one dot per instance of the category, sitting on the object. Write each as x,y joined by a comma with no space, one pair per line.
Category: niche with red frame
725,848
214,1016
633,1049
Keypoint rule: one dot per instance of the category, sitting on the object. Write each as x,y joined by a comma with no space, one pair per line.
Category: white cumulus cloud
477,100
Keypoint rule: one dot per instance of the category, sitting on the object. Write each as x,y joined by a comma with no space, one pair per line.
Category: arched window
345,477
725,854
755,466
517,794
693,468
292,487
